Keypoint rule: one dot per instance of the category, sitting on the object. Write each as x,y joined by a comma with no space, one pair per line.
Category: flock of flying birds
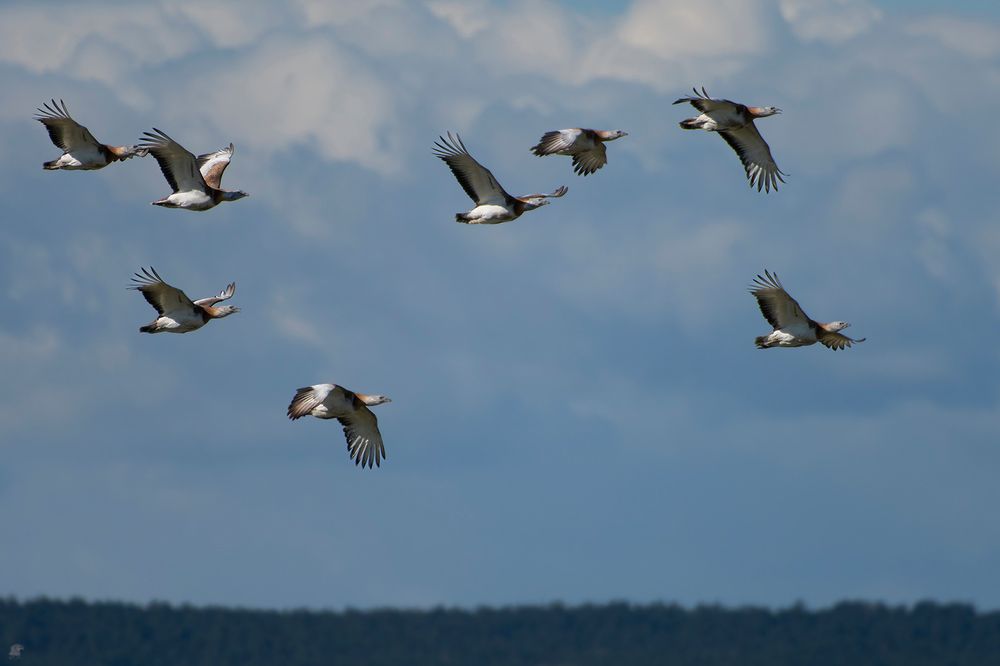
196,184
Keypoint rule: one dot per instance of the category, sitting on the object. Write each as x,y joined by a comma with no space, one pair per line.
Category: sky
578,410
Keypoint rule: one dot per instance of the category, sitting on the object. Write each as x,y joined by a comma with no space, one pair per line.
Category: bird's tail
148,328
690,123
50,165
761,342
462,217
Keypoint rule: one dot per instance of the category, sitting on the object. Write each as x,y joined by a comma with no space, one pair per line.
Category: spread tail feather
690,123
50,165
761,342
148,328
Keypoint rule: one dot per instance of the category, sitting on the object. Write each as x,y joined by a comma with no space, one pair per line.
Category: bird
196,181
792,327
15,651
493,204
81,151
734,123
585,146
330,401
178,313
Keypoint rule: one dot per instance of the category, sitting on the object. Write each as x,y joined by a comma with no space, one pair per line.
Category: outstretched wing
364,441
179,165
705,104
589,161
309,398
212,165
780,309
756,157
475,179
556,141
835,340
65,132
559,191
224,295
159,294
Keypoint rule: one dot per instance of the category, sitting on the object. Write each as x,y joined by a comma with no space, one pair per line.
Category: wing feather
755,155
835,340
364,441
224,295
704,103
179,165
307,399
212,165
779,309
556,141
477,181
589,161
65,132
163,297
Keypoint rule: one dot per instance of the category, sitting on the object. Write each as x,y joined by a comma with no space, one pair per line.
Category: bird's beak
777,110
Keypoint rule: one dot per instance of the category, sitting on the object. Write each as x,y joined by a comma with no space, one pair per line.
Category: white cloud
300,92
126,37
830,21
676,29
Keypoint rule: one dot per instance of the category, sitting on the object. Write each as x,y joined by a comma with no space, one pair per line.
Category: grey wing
65,132
589,161
556,141
755,155
704,103
225,294
835,340
477,181
778,307
364,441
179,165
163,297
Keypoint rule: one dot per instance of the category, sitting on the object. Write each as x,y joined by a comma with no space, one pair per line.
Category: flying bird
15,651
178,313
734,123
329,401
585,146
792,327
196,181
81,151
493,204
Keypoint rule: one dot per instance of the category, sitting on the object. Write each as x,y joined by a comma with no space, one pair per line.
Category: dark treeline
57,633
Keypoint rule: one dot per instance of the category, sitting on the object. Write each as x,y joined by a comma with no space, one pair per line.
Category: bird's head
764,111
530,203
616,134
834,326
225,311
233,196
372,400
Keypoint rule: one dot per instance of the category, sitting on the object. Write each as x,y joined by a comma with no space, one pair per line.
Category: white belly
792,337
490,214
176,322
82,159
191,200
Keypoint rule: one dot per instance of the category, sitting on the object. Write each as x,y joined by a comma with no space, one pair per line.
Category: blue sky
578,409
